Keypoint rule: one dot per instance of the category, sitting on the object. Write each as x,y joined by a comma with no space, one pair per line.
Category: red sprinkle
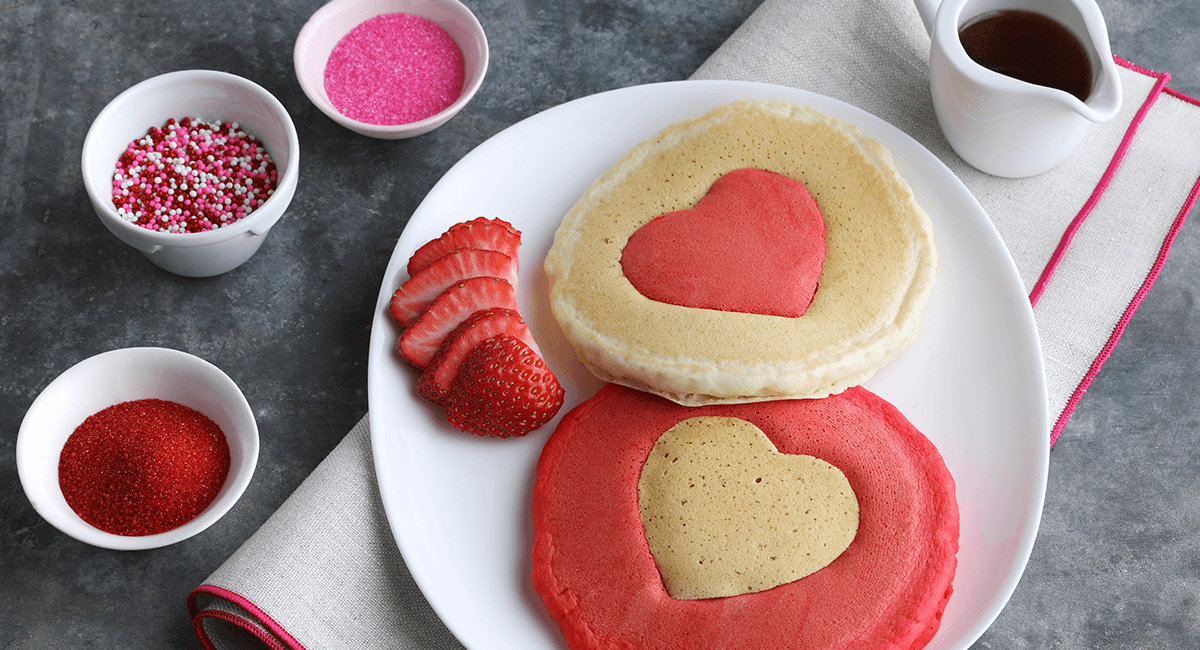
394,69
143,467
189,176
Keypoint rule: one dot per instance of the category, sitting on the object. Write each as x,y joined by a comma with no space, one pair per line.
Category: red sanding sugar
192,176
394,69
143,467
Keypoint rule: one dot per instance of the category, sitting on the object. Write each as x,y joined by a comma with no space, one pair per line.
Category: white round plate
973,382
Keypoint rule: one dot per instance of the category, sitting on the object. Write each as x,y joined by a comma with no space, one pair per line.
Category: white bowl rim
285,185
418,127
28,448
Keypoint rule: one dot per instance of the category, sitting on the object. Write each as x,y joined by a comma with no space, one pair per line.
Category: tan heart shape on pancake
725,513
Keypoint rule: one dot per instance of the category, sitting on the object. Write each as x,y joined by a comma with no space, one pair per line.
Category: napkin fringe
257,622
1160,88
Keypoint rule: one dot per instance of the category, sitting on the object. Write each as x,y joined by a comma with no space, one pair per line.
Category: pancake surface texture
879,266
596,575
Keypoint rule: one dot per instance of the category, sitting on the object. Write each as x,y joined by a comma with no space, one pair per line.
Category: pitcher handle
928,10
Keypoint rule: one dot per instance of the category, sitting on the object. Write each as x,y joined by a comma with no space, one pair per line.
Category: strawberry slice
482,233
453,306
416,294
503,389
437,379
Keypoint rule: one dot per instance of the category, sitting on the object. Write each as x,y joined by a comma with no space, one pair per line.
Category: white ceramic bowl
334,20
209,95
104,380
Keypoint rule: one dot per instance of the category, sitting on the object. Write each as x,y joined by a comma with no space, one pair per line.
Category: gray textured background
1116,564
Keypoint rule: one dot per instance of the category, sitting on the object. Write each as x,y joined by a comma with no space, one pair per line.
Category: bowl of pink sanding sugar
391,69
192,168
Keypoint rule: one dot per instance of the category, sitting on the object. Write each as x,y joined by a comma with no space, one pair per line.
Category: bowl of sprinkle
137,448
192,168
391,69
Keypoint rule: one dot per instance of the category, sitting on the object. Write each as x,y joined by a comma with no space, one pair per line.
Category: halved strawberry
482,233
415,295
503,389
437,379
453,306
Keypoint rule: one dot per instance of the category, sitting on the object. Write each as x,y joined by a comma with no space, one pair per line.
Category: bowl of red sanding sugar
192,168
391,69
137,448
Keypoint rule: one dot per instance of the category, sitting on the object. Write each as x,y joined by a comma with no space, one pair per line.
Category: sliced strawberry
503,389
481,233
415,295
437,379
453,306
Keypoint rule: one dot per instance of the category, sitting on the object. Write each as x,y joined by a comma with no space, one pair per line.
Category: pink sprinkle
157,192
394,69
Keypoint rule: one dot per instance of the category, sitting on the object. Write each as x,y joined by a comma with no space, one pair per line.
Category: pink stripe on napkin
1064,243
1094,369
250,619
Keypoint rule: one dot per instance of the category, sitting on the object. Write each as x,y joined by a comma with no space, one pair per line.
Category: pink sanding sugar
394,69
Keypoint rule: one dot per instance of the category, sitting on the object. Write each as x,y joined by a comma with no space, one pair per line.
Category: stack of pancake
736,278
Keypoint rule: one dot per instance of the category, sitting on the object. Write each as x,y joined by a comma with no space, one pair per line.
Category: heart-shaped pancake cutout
754,244
725,513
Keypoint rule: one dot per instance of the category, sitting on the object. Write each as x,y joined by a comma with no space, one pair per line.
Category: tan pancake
725,513
879,266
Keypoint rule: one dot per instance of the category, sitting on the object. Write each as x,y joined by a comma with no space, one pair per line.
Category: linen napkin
1088,237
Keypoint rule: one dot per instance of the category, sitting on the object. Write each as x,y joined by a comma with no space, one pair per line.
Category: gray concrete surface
1117,562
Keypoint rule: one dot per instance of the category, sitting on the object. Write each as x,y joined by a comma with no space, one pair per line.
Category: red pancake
593,568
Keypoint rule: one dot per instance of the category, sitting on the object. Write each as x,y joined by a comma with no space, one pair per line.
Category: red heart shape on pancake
754,244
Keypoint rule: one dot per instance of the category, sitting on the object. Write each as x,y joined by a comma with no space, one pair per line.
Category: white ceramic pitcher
1004,126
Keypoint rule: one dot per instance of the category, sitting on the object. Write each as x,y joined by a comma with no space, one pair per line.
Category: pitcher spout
1105,100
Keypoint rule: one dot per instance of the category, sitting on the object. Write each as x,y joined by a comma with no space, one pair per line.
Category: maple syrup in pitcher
1028,46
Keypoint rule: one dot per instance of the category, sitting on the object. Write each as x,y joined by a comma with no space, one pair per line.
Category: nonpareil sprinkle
394,69
192,176
143,467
